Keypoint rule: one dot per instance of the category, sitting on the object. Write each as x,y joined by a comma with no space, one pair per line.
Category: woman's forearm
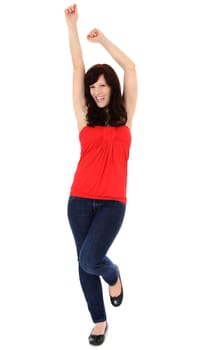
117,54
75,47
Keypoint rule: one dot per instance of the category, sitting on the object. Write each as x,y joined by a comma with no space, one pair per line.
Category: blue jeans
95,224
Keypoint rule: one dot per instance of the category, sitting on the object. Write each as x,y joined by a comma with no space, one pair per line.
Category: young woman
97,200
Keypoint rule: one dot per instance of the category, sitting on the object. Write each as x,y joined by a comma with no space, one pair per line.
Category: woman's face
101,92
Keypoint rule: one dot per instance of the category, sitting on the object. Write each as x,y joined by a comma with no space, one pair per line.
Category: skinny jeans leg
95,224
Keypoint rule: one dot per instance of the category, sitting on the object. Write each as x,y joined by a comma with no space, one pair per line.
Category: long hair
115,112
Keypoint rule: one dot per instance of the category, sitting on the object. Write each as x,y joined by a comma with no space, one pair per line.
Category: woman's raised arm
128,66
71,15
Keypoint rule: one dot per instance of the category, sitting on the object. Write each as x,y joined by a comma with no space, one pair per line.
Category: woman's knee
86,262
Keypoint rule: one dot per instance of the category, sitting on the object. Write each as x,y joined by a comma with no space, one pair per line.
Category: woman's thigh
95,223
80,216
104,228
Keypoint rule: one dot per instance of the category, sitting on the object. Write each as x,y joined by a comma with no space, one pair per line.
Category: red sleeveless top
102,168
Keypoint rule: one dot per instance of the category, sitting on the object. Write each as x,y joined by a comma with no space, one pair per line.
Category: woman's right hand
71,14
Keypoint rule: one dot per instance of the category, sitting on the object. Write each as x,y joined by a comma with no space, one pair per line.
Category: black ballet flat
97,339
116,301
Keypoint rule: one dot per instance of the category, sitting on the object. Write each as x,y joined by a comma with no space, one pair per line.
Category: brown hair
115,112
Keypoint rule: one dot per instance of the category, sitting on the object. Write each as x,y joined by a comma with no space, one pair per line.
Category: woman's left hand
95,35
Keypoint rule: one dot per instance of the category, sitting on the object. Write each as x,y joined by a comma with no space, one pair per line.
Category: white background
41,303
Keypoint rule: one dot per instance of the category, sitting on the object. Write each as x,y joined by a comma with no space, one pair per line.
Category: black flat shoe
97,339
116,301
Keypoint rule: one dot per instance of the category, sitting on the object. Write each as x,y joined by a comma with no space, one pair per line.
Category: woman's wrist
72,25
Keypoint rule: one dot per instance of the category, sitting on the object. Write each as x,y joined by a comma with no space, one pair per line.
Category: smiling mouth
100,98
